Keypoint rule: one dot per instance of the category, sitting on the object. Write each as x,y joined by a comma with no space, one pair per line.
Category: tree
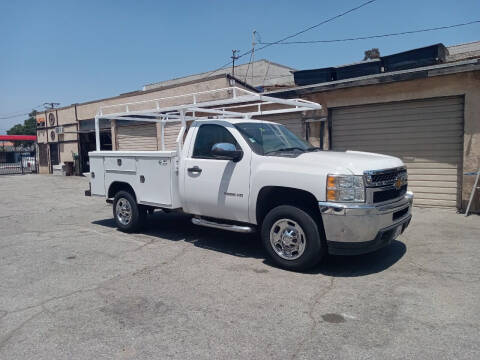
29,126
371,54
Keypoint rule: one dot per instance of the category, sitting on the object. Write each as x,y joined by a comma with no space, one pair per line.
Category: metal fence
18,164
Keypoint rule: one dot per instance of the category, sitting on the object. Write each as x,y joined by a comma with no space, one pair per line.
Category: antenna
253,51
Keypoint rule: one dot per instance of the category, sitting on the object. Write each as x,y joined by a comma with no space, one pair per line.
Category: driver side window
209,135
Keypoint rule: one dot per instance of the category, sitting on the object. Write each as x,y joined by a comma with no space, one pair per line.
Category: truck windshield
272,139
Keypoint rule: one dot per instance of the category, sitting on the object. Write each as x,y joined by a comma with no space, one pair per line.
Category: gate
13,162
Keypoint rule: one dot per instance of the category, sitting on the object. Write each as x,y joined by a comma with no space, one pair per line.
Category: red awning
18,138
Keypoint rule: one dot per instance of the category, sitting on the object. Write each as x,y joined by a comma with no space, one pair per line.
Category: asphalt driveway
73,287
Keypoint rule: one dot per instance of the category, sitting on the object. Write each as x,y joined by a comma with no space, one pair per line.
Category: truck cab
247,175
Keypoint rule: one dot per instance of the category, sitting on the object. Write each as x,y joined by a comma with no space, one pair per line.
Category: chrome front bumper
361,228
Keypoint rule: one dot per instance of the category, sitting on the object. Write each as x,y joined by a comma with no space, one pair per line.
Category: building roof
382,78
455,58
258,73
465,51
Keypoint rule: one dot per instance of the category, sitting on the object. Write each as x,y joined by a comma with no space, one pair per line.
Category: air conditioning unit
59,129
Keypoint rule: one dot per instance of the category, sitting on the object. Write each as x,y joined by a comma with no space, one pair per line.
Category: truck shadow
361,265
178,227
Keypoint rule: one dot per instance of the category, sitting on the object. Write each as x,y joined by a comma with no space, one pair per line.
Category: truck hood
355,162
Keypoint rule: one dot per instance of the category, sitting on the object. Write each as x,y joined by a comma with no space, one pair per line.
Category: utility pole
50,105
234,57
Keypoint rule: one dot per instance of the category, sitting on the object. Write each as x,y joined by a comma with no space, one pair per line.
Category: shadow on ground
178,227
361,265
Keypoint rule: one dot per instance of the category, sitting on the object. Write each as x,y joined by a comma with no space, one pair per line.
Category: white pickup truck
239,174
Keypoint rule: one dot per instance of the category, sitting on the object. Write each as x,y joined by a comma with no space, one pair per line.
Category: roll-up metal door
137,137
426,134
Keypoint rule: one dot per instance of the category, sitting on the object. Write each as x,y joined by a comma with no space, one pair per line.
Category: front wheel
292,238
129,217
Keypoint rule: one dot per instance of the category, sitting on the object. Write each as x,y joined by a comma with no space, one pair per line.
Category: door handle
194,169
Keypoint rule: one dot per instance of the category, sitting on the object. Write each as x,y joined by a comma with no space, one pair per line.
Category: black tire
314,247
137,213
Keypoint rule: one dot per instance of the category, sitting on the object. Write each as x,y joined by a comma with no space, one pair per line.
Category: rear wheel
129,217
292,238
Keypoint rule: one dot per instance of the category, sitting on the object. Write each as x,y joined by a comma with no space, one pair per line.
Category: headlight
345,188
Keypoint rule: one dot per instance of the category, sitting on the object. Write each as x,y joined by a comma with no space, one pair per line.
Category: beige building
428,116
66,135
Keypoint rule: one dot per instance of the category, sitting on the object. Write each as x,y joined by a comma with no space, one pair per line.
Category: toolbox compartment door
97,176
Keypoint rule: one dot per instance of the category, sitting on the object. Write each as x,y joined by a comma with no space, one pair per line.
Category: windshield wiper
314,148
284,149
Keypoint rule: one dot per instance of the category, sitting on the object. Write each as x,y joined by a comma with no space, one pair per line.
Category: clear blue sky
72,51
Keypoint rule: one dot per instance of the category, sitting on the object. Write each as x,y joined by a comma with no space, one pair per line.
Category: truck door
216,187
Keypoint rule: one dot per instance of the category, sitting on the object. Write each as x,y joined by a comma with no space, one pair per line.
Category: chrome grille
391,176
389,194
386,177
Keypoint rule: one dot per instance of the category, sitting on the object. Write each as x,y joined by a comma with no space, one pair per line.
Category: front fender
286,174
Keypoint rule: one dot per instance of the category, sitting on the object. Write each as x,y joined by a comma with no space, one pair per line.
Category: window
268,138
209,135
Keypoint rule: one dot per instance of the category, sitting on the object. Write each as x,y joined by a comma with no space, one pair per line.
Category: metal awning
18,138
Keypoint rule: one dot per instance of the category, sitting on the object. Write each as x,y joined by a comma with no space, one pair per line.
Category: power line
18,113
12,116
295,34
371,36
319,24
47,106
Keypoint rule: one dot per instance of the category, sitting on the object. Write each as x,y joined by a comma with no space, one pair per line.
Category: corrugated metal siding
137,137
426,134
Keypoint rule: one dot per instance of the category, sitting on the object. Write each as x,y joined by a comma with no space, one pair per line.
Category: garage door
137,137
426,134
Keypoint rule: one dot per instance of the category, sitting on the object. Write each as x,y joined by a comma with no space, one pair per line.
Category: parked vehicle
239,174
29,163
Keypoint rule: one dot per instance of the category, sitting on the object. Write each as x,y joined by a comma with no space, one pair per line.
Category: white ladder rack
162,110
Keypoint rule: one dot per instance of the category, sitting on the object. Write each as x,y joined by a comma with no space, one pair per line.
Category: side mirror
226,151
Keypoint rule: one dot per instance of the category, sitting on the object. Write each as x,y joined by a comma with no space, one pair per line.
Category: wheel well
117,186
273,196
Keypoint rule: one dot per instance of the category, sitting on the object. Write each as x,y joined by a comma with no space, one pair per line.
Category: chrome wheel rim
123,210
288,239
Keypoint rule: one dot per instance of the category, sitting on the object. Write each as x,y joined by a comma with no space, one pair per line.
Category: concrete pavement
73,287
